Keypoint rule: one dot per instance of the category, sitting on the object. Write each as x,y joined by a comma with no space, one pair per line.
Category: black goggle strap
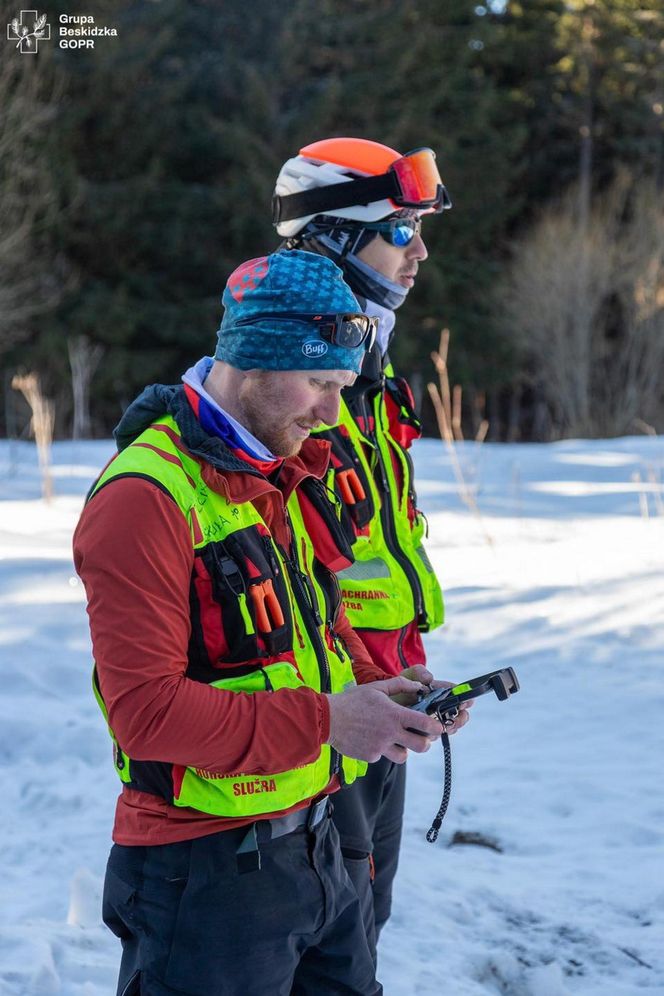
322,200
365,190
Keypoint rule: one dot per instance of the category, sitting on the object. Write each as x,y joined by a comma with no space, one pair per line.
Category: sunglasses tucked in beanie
270,308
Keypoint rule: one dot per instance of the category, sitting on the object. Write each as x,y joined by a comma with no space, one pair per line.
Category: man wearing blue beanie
237,695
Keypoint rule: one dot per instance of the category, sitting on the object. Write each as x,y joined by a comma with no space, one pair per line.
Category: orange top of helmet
354,153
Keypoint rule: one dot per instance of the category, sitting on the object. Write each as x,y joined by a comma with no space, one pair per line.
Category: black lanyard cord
432,833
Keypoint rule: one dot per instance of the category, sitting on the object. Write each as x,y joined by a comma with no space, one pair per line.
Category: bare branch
43,418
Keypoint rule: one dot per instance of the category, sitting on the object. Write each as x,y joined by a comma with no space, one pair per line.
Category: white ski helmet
381,180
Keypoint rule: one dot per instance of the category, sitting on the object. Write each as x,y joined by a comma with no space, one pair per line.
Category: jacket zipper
340,645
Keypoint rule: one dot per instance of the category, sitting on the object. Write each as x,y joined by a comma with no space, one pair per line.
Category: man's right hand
365,723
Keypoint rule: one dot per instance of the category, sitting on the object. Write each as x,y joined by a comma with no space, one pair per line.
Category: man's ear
224,381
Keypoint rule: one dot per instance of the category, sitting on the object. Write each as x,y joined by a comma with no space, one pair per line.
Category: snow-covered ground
558,572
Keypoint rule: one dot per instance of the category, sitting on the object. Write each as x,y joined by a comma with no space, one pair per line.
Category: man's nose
327,408
417,249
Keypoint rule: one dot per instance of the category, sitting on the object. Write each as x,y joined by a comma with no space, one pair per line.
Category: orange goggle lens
419,179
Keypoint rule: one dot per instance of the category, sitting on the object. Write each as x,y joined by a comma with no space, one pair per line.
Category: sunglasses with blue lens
398,232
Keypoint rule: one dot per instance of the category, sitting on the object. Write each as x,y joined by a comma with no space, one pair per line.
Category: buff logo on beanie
287,283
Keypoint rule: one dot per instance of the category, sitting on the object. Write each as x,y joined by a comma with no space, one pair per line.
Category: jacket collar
225,472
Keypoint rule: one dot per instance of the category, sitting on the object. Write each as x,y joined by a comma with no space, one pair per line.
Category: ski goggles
420,185
397,231
413,181
348,330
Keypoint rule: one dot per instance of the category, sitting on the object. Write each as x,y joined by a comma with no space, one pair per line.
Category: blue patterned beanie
286,281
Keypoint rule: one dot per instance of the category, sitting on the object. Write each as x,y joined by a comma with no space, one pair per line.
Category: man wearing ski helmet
361,204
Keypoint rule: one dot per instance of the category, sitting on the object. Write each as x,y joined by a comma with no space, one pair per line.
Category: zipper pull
269,550
336,640
297,632
290,534
266,678
384,486
311,597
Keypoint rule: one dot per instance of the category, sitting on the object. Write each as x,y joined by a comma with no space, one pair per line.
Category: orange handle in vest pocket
272,602
350,486
264,597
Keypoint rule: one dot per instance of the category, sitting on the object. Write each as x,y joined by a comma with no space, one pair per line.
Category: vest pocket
239,600
351,482
270,678
240,794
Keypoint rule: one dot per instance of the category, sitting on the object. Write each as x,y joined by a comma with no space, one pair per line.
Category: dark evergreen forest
135,176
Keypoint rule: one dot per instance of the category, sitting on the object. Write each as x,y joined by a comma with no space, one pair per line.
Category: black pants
191,923
369,817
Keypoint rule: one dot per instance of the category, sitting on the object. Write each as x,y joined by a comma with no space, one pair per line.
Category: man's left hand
420,673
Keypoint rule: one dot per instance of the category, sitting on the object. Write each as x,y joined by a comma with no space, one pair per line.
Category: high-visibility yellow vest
279,609
391,581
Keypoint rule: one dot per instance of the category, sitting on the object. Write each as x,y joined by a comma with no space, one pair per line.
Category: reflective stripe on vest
315,659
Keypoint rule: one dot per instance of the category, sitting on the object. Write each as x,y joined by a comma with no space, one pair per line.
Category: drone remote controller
445,702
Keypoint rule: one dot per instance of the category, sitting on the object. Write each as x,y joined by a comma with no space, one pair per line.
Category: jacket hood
158,400
151,404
